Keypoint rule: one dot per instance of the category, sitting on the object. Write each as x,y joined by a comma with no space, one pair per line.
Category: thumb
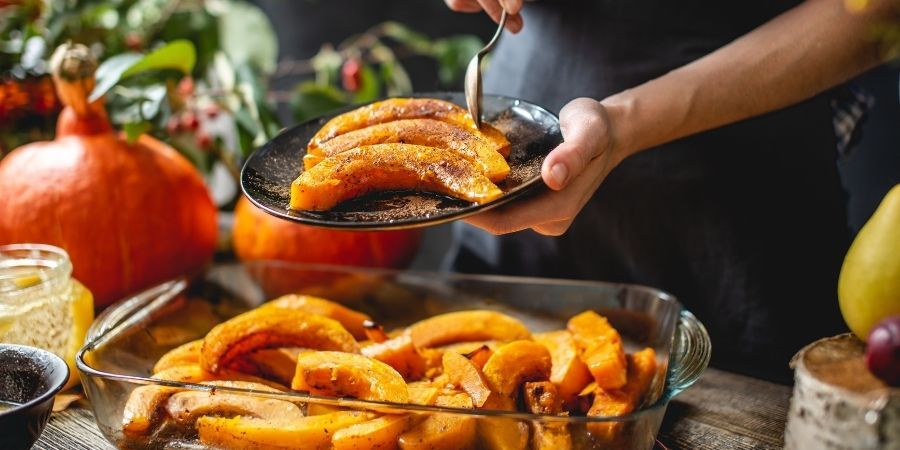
584,127
512,7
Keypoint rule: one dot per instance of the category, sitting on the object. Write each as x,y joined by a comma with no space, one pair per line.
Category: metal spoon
473,75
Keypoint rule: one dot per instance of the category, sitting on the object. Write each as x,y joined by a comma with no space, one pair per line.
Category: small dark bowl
29,377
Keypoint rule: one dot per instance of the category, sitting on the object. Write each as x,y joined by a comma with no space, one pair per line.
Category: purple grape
883,351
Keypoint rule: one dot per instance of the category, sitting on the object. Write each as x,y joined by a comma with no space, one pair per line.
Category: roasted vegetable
515,363
569,373
443,431
400,354
376,434
264,328
600,347
339,374
618,402
187,406
462,374
466,143
351,320
185,354
387,167
241,433
404,108
466,326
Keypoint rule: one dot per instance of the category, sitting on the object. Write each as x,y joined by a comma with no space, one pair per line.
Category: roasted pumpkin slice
463,374
376,434
351,319
339,374
466,326
142,409
262,328
618,402
516,363
467,143
388,167
184,354
187,406
496,433
275,363
542,397
400,354
443,431
600,347
422,393
240,433
551,436
400,109
569,373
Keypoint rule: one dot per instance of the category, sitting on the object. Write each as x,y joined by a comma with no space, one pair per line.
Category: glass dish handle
690,353
115,315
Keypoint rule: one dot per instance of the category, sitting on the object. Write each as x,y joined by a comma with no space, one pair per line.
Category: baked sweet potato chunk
389,167
262,328
466,326
466,142
600,347
400,109
339,374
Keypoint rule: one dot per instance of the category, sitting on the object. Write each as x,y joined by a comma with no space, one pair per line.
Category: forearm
804,51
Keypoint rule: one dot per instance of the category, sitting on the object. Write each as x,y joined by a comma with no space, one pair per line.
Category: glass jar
41,305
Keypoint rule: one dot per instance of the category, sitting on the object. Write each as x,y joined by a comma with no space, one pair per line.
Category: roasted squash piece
275,363
467,143
466,326
351,319
569,373
187,406
184,354
443,431
142,409
400,109
243,433
516,363
497,433
388,167
600,347
551,436
618,402
263,328
400,354
422,393
466,376
341,374
541,397
376,434
375,332
318,409
480,356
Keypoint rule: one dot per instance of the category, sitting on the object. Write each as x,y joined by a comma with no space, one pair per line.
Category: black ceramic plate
267,174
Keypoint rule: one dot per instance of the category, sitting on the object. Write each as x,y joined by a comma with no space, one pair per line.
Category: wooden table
722,411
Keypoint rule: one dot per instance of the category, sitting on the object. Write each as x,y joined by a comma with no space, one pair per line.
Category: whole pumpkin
258,236
129,215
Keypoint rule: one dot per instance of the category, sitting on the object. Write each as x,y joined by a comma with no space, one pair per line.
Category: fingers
584,125
468,6
494,9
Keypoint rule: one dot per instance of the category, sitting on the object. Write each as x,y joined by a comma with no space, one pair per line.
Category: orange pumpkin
129,215
258,235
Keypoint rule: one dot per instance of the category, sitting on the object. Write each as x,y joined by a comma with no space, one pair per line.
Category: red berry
883,350
134,41
186,86
351,74
212,111
204,140
190,121
173,125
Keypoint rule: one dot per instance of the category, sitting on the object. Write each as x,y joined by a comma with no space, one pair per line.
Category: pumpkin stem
73,67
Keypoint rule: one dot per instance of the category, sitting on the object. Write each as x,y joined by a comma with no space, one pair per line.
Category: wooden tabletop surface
722,411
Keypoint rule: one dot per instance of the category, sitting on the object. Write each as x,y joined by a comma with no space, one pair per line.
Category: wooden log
837,403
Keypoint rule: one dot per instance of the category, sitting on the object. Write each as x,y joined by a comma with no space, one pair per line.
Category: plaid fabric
851,105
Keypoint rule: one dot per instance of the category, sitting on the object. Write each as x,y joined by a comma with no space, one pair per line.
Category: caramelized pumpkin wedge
463,374
275,363
376,434
405,108
351,319
142,409
569,373
263,328
551,436
618,402
600,347
497,433
516,363
241,433
400,354
466,326
388,167
443,431
187,406
542,397
184,354
422,393
467,143
339,374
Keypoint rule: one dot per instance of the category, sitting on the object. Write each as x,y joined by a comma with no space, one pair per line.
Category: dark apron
745,224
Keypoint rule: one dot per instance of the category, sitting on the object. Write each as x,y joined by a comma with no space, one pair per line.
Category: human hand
493,8
572,171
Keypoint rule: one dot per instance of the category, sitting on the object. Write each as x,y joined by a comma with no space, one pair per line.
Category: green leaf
369,86
133,130
312,100
247,36
178,55
415,41
453,55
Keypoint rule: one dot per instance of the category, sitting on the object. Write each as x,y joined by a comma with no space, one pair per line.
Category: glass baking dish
128,338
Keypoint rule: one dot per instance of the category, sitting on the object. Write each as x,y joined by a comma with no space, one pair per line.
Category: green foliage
177,55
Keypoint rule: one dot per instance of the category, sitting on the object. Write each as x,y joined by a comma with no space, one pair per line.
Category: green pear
869,285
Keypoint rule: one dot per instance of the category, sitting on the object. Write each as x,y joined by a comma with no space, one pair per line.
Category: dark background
303,25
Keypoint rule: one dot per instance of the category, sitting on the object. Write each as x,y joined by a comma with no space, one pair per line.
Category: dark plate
267,175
